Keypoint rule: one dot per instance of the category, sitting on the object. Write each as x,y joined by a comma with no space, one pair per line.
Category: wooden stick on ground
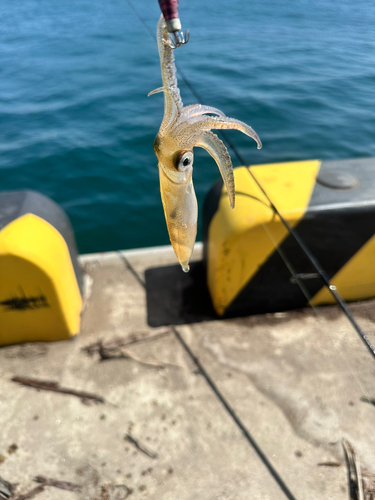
63,485
45,481
47,385
30,494
133,338
140,447
116,349
361,482
6,489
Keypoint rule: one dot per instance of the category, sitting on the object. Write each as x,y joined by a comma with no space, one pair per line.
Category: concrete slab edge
107,256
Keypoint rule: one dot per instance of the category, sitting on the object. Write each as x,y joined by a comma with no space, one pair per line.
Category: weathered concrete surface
294,380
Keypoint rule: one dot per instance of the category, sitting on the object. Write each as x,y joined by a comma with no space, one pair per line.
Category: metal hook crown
177,38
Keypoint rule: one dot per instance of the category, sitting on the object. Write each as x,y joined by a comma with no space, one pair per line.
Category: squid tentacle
217,149
156,91
199,109
172,99
218,123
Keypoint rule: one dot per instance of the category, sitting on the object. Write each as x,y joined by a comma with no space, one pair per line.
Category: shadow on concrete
175,297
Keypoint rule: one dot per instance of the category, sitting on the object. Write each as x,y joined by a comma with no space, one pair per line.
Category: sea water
76,123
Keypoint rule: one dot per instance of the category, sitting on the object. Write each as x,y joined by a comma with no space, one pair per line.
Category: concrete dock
189,407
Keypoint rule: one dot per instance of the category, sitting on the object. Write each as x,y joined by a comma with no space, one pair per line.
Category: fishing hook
179,38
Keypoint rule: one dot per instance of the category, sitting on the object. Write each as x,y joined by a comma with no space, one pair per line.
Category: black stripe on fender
337,223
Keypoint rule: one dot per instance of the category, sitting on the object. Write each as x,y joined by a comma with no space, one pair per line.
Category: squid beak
181,214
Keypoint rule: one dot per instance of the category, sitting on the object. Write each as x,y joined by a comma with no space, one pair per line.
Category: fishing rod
171,11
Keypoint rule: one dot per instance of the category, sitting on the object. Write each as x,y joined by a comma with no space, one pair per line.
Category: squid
182,129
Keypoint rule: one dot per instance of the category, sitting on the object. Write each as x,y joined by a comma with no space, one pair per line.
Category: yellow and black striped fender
254,265
40,279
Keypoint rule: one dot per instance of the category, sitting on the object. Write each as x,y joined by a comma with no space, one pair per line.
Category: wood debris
62,485
30,494
361,482
47,385
371,401
121,353
329,464
116,348
140,447
6,489
133,338
45,481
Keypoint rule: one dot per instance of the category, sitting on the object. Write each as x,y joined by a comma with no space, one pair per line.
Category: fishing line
313,260
322,273
315,309
310,256
142,21
308,297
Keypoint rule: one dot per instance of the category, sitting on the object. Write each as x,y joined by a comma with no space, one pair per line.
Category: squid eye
185,161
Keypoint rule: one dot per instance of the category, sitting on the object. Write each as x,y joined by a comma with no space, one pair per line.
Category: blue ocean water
76,123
